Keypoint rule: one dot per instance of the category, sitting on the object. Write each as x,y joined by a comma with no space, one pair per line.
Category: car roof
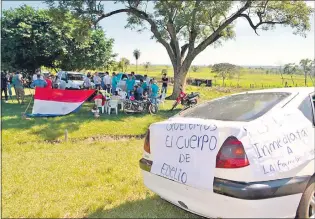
285,90
74,72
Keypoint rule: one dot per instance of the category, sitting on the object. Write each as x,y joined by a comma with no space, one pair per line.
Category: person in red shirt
49,82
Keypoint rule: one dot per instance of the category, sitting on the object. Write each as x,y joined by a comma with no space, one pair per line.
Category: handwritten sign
185,153
285,144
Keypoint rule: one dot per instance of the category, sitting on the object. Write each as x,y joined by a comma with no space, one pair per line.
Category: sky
270,48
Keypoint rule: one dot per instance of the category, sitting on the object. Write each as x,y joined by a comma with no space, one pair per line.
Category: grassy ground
84,177
258,77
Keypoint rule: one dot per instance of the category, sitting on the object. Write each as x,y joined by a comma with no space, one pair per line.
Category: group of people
16,81
147,88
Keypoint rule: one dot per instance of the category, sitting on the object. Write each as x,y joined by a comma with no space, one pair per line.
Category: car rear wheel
307,204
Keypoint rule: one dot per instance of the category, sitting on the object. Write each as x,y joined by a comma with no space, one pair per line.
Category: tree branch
193,34
174,41
112,13
216,34
144,16
183,50
255,27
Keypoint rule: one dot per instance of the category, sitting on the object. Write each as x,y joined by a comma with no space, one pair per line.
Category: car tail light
147,142
232,154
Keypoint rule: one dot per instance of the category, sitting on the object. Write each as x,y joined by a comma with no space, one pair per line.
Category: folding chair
112,104
98,103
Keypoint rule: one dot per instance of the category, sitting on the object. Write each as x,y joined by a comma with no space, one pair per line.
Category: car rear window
240,107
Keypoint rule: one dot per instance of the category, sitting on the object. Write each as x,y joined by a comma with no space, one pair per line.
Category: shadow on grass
153,207
51,128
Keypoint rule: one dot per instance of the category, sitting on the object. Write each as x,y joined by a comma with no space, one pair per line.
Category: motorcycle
136,106
187,100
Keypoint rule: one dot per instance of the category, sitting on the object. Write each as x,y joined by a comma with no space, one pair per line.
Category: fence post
66,135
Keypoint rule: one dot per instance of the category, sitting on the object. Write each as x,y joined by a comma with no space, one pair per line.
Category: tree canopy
32,38
123,64
306,65
186,28
225,70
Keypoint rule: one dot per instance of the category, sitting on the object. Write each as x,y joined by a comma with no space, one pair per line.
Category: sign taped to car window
279,143
185,149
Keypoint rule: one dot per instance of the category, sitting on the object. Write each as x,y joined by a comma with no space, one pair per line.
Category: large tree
92,53
33,38
29,39
186,28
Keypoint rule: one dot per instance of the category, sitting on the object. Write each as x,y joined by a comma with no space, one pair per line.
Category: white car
224,174
74,80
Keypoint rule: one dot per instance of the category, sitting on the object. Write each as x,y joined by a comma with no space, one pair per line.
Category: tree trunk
292,79
180,74
305,76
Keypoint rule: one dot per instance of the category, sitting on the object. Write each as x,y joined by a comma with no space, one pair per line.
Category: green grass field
94,174
258,77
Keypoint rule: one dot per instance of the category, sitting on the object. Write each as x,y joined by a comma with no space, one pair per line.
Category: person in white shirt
62,85
146,79
97,81
59,74
107,81
35,76
86,83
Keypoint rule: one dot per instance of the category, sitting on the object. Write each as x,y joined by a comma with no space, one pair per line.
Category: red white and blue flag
55,102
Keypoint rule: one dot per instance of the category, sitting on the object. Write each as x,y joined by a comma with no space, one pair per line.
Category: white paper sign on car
185,153
279,143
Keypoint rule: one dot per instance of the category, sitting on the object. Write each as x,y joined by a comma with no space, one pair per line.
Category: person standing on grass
19,87
107,81
130,84
114,82
149,87
35,76
154,91
146,79
62,85
9,78
97,81
38,82
87,83
4,86
164,83
144,85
